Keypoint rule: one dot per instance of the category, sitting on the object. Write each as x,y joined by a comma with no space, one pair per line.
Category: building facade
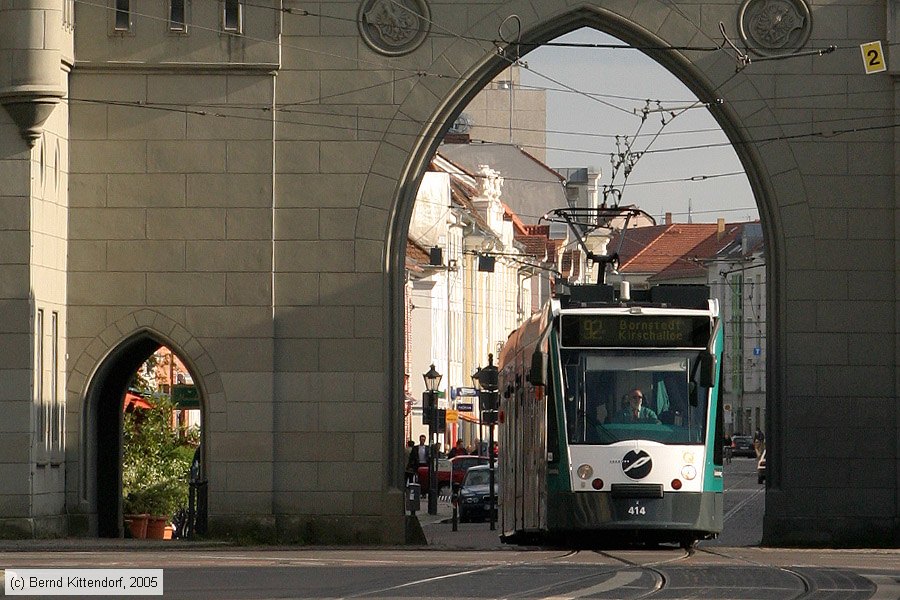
474,289
238,186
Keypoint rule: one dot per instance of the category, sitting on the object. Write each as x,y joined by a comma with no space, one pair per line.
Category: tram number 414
637,510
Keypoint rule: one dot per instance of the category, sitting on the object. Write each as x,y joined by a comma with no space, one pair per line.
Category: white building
474,291
737,277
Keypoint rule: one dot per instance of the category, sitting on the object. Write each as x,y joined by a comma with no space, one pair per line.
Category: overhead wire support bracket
584,221
742,58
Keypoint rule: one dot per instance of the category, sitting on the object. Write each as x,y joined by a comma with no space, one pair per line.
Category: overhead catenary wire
417,73
421,73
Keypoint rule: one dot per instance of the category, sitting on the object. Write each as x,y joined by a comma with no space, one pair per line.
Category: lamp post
432,380
487,382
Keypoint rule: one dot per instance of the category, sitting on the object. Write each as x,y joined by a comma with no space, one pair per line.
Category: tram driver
634,411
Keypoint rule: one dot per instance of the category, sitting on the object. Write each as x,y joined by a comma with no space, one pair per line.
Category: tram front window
598,387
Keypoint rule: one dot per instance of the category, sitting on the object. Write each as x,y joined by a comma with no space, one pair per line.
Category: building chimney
720,228
668,218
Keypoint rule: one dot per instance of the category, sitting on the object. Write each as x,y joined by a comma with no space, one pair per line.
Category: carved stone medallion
394,27
773,27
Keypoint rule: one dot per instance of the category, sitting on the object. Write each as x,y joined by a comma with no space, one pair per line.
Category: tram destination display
641,331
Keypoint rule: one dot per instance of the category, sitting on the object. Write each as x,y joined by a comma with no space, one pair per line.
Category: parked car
459,465
473,499
761,468
742,445
450,470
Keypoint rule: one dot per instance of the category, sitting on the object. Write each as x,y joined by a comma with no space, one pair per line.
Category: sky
631,74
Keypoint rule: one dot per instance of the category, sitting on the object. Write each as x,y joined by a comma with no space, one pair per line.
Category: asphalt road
744,505
733,573
471,563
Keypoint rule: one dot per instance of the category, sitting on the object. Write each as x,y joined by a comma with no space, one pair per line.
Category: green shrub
155,463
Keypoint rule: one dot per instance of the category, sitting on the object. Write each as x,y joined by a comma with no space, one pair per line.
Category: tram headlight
688,457
585,471
689,472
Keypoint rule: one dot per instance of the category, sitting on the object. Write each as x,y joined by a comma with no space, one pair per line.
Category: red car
450,468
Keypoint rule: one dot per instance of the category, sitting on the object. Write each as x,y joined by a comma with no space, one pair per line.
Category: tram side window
553,452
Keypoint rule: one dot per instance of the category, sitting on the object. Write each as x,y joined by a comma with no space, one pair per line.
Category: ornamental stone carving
394,27
773,27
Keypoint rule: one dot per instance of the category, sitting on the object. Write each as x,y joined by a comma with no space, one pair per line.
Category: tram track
659,575
620,576
809,586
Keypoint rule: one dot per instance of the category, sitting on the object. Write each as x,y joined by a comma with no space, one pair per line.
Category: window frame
178,27
121,7
238,28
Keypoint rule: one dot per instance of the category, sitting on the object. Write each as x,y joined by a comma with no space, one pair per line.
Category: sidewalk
438,530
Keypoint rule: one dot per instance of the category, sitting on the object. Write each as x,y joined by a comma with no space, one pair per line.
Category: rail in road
472,563
734,573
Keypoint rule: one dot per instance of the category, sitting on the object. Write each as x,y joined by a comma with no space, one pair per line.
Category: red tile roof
416,255
653,249
690,264
677,250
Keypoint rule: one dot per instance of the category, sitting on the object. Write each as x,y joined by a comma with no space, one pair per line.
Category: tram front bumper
675,511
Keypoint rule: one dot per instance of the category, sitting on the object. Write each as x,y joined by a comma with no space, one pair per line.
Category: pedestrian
759,442
412,462
727,449
421,454
458,450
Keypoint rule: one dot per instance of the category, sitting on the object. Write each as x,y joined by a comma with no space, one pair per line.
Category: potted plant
155,466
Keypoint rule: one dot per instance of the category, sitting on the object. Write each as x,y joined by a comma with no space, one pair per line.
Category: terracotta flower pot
156,527
137,525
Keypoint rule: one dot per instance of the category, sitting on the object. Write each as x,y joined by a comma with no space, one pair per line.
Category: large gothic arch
770,163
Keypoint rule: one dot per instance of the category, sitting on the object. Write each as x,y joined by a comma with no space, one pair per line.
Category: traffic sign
452,416
873,57
466,391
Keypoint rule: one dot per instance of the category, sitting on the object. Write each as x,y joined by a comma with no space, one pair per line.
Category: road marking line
620,579
887,587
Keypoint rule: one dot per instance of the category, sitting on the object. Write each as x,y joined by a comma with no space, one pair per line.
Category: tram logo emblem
637,465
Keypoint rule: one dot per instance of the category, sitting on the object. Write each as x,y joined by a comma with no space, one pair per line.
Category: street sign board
452,416
466,391
185,396
464,406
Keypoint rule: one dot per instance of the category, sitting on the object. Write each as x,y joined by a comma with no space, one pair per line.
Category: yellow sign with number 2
873,57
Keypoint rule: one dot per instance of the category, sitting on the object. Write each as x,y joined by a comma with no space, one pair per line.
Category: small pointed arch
104,371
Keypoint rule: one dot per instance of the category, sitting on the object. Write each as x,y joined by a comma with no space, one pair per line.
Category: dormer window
123,15
177,16
232,16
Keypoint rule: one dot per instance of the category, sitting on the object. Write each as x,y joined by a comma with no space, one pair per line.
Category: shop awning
135,401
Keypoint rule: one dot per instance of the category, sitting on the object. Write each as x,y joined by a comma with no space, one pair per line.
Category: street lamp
430,412
487,381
